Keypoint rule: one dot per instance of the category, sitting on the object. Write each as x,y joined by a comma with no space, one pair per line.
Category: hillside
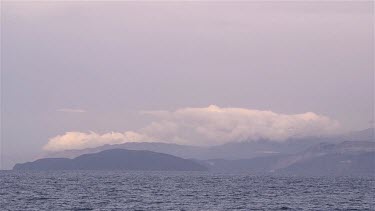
115,159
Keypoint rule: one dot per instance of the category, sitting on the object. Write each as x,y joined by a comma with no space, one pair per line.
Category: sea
128,190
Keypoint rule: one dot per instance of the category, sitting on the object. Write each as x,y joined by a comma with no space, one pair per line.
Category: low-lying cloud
211,125
79,140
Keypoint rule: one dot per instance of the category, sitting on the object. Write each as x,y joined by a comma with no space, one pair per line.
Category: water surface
119,190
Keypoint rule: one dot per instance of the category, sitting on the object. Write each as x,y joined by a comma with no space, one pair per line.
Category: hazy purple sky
93,66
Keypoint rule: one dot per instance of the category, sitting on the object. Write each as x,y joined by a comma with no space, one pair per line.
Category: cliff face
115,159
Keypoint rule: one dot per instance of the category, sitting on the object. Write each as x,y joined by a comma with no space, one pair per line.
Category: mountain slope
334,164
345,158
115,159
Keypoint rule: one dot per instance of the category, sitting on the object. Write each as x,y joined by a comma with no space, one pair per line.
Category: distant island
115,159
344,155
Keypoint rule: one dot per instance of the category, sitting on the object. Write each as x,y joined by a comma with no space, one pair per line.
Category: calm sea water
101,190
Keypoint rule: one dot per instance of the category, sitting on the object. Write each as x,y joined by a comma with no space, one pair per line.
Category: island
115,159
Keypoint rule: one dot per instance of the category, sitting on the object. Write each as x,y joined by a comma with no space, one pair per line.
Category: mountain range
237,150
115,159
344,158
348,154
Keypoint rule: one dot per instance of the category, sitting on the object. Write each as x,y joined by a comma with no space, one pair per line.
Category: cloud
214,125
79,140
69,110
206,126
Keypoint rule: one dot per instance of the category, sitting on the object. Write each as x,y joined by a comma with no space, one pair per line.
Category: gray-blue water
101,190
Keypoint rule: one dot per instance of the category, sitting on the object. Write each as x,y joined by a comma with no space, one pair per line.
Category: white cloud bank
206,126
79,140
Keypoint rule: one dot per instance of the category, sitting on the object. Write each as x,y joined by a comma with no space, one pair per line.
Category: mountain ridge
344,158
237,150
115,159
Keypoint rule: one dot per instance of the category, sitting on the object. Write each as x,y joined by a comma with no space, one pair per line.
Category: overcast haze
81,74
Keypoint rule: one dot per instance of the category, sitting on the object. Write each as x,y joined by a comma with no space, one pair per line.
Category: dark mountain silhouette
115,159
183,151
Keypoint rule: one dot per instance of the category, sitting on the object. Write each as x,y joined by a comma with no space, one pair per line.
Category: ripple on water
92,190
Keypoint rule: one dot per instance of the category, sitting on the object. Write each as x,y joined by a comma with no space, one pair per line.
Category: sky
83,74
